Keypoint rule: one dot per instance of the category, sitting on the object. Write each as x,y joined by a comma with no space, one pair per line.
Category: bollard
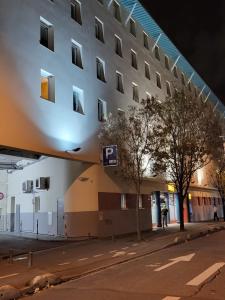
30,259
11,256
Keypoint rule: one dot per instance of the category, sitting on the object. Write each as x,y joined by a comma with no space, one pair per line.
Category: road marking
171,298
124,248
206,274
113,251
120,253
10,275
175,261
98,255
19,258
82,259
65,263
153,265
131,253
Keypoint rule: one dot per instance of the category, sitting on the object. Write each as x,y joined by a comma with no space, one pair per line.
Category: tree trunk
223,202
138,218
181,210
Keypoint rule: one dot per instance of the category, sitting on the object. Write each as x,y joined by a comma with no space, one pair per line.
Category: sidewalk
73,260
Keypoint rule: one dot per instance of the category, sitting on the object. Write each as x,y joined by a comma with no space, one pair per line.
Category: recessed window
100,66
77,54
118,46
132,27
116,11
99,30
168,89
135,92
189,86
148,96
78,100
145,40
119,82
47,86
182,78
123,201
76,11
167,65
158,80
134,59
102,110
147,71
175,71
46,34
156,50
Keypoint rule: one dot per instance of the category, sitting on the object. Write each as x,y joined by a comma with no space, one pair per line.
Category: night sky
197,28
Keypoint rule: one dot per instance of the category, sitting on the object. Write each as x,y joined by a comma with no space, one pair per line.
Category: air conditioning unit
27,186
42,183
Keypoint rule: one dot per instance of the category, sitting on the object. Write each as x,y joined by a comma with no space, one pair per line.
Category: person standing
164,213
216,218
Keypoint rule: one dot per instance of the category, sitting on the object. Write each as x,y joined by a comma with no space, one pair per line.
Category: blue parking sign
110,158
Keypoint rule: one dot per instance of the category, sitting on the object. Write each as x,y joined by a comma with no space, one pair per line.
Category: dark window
119,82
147,71
77,55
76,12
116,11
157,56
100,69
167,63
46,35
99,31
132,27
135,92
158,80
118,46
134,59
145,39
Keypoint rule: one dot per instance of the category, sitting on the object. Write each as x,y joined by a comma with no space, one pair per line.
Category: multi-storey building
65,64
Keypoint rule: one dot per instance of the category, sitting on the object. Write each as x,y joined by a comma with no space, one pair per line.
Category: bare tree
187,131
132,134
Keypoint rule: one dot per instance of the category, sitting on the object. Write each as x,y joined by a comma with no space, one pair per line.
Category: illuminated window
77,54
119,82
123,201
118,46
116,11
145,40
78,100
134,59
46,34
132,27
156,50
135,92
76,11
167,65
175,71
147,71
158,80
168,89
182,78
100,66
102,110
99,30
47,86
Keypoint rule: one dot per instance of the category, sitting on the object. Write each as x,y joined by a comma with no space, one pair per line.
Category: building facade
65,65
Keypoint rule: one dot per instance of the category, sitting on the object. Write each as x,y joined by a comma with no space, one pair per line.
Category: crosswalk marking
171,298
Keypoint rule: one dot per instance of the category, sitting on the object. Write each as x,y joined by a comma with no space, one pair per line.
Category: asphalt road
194,270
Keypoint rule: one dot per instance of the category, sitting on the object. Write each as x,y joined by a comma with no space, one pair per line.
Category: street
194,270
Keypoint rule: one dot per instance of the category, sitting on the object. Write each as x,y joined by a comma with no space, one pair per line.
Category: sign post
110,156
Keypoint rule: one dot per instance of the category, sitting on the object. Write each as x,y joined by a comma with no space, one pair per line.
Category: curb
47,280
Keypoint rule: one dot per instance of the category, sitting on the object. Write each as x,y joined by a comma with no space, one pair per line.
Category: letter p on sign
109,154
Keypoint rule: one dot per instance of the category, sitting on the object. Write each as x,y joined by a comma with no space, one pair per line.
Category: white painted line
131,253
175,261
65,263
113,251
153,265
120,253
98,255
82,259
206,274
10,275
124,248
19,258
171,298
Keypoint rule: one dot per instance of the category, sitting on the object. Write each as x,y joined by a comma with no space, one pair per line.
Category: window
119,82
132,27
157,56
145,39
78,100
167,65
135,92
37,204
189,86
196,91
158,80
123,201
168,89
140,202
175,71
76,11
134,59
148,96
47,86
46,34
77,54
100,65
99,30
121,112
182,78
116,11
118,46
147,71
102,110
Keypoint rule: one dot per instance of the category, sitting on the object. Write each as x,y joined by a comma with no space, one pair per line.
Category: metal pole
37,228
30,259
